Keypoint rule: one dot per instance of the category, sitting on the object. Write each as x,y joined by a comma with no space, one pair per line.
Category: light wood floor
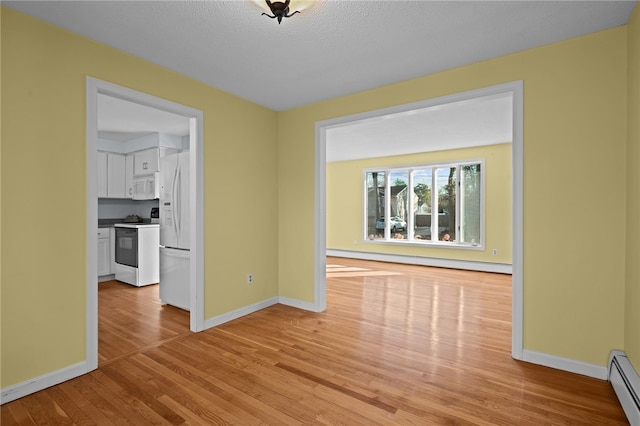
397,344
131,319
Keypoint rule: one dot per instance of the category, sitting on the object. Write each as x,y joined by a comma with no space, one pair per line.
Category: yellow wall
345,204
632,295
574,152
44,192
575,133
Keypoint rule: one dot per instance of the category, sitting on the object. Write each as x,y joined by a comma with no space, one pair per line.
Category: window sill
429,244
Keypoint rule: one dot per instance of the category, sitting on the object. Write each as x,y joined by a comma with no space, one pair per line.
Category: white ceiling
481,121
120,120
334,48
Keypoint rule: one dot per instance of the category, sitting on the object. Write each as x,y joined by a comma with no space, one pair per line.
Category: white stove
138,253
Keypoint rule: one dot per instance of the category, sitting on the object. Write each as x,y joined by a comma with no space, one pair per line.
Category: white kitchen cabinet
146,162
128,175
101,173
111,173
104,252
116,182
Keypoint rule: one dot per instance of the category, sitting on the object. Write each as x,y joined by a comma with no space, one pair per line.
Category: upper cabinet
117,172
112,175
128,175
146,162
116,176
101,173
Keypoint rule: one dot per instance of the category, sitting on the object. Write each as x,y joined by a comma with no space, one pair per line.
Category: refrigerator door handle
176,213
178,201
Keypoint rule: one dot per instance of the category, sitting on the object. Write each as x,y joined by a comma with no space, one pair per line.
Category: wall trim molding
299,304
566,364
36,384
500,268
246,310
235,314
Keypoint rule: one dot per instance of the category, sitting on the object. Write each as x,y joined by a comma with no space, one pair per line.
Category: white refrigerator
175,256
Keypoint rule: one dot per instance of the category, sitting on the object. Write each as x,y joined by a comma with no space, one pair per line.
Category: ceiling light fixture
279,9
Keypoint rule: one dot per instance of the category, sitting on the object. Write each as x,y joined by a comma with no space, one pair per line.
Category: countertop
110,223
137,225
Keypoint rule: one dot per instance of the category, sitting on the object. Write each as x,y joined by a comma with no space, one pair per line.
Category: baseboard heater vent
626,384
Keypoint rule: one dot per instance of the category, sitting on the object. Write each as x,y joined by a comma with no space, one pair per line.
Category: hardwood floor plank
16,414
69,407
131,386
116,407
342,389
273,392
398,344
193,391
95,414
129,404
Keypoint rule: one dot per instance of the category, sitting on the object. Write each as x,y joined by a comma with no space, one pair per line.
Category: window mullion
387,205
434,204
411,209
459,201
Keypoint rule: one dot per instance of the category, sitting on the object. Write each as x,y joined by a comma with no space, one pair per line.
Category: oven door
127,246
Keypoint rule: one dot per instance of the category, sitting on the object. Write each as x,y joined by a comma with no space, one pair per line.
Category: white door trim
516,88
93,88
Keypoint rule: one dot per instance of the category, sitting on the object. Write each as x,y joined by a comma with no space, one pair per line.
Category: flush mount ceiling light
281,9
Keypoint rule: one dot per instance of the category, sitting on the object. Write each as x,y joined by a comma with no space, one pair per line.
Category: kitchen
143,198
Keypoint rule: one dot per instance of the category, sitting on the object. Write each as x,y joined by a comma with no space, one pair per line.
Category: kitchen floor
131,319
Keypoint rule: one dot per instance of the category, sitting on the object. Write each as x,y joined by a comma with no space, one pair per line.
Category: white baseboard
294,303
246,310
500,268
36,384
25,388
230,316
39,383
566,364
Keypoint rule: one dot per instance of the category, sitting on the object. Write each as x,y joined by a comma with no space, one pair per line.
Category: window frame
410,220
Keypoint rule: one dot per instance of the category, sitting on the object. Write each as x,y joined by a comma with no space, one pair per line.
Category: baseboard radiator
626,383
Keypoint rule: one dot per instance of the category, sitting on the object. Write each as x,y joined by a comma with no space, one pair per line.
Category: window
428,204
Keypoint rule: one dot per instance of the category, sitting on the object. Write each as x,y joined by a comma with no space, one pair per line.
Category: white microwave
146,187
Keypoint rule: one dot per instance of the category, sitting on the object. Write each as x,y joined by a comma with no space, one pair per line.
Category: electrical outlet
249,278
495,252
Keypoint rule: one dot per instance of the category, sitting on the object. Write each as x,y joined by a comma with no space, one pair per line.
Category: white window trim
434,221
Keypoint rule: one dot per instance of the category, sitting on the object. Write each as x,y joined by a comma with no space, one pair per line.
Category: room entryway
131,319
150,328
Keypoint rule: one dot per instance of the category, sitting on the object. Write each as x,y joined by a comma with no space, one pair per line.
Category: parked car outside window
395,224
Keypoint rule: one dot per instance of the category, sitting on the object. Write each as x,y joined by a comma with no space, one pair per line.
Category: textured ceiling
334,48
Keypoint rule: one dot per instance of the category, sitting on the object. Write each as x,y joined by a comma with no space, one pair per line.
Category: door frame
517,161
196,139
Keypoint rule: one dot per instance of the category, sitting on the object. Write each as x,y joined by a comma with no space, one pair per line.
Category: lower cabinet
104,251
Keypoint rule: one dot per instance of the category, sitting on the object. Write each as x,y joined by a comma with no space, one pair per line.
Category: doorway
94,88
514,89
